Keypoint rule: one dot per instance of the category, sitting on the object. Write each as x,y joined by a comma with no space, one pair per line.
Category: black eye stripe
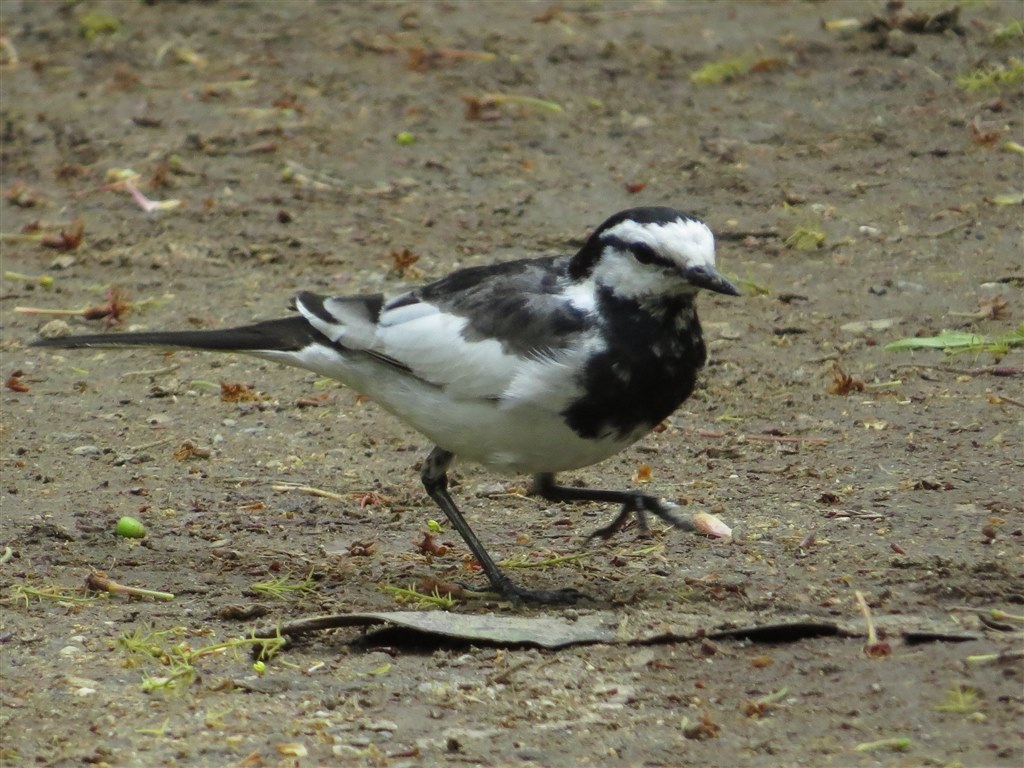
642,252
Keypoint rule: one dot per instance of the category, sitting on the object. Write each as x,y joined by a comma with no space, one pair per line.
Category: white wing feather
424,340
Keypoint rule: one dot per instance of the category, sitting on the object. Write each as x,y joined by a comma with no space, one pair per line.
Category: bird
532,366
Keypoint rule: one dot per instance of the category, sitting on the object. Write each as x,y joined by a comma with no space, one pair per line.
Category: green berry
130,528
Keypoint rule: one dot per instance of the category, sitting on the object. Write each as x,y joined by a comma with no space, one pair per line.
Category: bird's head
646,253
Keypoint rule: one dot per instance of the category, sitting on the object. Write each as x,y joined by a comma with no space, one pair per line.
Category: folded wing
478,341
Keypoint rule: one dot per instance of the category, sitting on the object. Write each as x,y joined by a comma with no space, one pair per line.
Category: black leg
633,503
435,480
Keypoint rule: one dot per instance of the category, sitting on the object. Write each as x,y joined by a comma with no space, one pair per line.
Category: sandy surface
276,125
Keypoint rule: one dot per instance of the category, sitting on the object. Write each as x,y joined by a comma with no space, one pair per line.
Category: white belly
524,435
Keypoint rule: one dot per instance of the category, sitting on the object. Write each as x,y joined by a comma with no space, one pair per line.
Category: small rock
491,490
292,749
380,725
55,329
861,326
899,43
82,686
87,450
346,750
908,287
641,122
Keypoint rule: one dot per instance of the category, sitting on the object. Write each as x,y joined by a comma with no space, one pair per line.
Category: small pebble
908,287
55,329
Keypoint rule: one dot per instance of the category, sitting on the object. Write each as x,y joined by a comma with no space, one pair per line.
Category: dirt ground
860,193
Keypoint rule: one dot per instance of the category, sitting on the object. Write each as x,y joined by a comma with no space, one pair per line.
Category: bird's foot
563,596
639,506
520,595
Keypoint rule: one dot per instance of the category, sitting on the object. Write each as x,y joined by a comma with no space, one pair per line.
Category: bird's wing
471,333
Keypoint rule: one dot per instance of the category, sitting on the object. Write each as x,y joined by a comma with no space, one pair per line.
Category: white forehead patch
687,242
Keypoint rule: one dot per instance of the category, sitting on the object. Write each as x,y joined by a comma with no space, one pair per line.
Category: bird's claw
563,596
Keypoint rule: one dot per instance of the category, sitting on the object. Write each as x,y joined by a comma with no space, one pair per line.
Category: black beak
711,279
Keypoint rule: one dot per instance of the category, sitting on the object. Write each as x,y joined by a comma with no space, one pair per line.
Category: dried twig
98,581
873,648
985,370
67,239
948,230
115,308
312,491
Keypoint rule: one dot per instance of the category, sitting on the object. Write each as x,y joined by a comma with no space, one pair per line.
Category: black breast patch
648,368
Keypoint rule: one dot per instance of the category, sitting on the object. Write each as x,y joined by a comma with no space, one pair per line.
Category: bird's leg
633,503
435,481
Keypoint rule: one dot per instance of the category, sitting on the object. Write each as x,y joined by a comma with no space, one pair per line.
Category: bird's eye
643,253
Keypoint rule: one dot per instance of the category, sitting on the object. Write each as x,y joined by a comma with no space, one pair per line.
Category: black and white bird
534,366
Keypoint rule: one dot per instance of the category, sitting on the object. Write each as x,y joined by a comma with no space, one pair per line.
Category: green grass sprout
146,641
28,594
1011,33
722,71
43,281
284,588
92,24
1008,198
1003,657
897,744
178,659
806,238
525,101
159,731
960,700
749,286
997,615
959,342
412,595
993,77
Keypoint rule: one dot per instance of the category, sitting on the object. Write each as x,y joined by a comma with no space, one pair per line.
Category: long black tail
287,334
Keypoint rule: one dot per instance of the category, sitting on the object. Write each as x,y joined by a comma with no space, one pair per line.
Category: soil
364,147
